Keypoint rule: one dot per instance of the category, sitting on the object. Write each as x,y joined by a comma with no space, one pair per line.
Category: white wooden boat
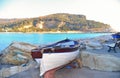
56,55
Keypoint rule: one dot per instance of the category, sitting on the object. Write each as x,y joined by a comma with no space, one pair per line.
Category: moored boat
56,55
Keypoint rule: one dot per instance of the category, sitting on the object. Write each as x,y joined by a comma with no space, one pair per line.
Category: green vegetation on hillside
53,22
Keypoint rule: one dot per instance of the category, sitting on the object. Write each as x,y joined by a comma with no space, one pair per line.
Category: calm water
37,38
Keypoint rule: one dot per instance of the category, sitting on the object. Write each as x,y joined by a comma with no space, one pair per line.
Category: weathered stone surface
93,45
104,62
103,38
6,72
97,42
25,47
17,53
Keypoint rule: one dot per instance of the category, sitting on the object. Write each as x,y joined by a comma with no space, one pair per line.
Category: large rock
17,53
103,38
22,46
96,42
104,62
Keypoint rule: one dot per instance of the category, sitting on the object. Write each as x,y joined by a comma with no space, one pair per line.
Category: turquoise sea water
37,38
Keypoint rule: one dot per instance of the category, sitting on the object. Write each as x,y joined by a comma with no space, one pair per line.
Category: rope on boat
42,50
53,49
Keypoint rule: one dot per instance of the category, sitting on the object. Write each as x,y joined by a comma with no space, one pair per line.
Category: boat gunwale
61,50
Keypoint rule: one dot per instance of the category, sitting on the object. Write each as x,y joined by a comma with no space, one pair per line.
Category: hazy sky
106,11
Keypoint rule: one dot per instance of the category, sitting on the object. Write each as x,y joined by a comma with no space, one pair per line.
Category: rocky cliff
54,22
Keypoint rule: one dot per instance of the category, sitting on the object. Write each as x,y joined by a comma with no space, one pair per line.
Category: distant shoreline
58,32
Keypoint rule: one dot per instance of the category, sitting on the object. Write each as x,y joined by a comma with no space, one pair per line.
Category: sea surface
41,38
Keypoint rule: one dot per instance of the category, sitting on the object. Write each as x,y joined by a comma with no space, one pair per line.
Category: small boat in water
56,55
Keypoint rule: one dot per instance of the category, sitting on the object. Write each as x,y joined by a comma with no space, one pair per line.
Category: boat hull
50,61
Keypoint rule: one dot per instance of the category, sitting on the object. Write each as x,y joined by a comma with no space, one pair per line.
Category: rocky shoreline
94,54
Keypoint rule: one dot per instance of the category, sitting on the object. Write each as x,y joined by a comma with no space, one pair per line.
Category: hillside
53,22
